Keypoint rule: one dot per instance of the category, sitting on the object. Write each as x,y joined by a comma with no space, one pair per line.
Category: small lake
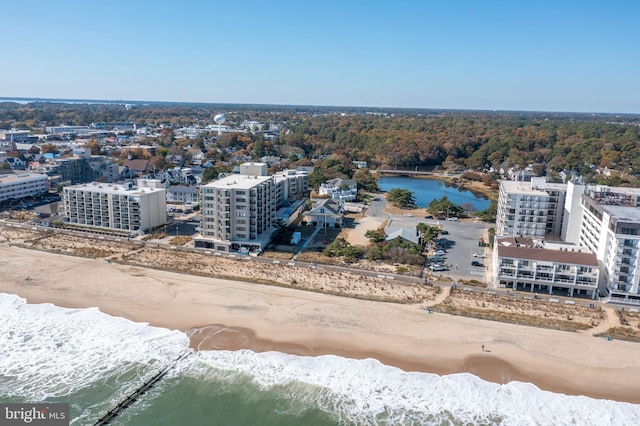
426,190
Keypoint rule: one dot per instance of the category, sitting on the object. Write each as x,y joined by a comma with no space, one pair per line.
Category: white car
481,255
438,268
408,215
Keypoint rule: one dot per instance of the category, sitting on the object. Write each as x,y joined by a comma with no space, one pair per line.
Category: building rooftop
546,255
623,213
238,182
110,188
8,178
525,188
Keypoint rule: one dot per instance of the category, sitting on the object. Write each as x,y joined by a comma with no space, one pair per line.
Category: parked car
407,214
476,263
444,232
481,255
438,268
453,219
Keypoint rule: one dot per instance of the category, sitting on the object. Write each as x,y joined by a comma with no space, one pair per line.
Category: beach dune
221,314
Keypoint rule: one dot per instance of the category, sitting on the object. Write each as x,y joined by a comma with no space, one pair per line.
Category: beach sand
220,314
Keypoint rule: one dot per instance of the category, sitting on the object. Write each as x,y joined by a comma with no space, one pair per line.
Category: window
241,228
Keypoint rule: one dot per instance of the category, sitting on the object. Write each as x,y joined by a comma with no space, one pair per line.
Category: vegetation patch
180,240
510,317
621,333
520,311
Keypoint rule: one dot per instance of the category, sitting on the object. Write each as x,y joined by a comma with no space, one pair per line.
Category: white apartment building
238,213
291,185
117,207
17,186
610,228
530,209
180,194
340,189
604,220
523,265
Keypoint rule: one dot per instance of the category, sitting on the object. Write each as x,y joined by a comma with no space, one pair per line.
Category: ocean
93,361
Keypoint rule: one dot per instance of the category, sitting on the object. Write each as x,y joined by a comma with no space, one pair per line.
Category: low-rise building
180,194
522,264
340,189
324,212
18,186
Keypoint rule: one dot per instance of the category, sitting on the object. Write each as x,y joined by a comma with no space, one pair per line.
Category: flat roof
623,213
21,176
547,255
521,188
238,182
111,188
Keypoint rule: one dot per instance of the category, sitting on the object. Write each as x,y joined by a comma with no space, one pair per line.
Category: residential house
324,213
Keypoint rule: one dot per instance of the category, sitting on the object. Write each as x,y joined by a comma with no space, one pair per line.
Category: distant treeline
395,137
476,141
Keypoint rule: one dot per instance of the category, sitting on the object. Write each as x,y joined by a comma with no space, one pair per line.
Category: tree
282,234
489,214
209,174
366,180
341,247
49,148
428,233
375,236
316,179
444,206
94,145
401,198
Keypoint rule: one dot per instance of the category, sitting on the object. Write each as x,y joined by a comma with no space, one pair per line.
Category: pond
426,190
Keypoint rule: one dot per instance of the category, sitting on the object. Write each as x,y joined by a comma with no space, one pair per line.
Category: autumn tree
401,198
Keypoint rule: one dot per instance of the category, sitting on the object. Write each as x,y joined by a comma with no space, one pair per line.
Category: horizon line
130,101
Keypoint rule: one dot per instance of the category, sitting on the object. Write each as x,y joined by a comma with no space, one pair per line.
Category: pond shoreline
477,189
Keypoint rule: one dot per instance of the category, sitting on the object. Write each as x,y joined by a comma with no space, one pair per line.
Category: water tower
219,119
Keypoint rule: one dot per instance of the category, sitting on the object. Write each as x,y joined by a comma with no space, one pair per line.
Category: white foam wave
368,392
48,351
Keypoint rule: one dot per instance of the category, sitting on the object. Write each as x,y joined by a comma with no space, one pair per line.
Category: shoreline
263,318
475,187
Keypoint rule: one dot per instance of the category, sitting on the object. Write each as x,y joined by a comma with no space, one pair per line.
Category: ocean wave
94,359
368,392
50,352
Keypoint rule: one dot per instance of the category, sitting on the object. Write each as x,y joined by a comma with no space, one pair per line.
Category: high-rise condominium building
530,209
238,212
610,228
118,207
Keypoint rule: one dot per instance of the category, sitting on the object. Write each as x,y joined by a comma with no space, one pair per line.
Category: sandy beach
222,314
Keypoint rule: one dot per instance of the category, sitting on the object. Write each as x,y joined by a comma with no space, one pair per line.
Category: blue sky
512,54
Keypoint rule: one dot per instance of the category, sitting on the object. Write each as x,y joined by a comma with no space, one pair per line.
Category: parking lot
460,243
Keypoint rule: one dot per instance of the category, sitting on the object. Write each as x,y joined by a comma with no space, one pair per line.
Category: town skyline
573,57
